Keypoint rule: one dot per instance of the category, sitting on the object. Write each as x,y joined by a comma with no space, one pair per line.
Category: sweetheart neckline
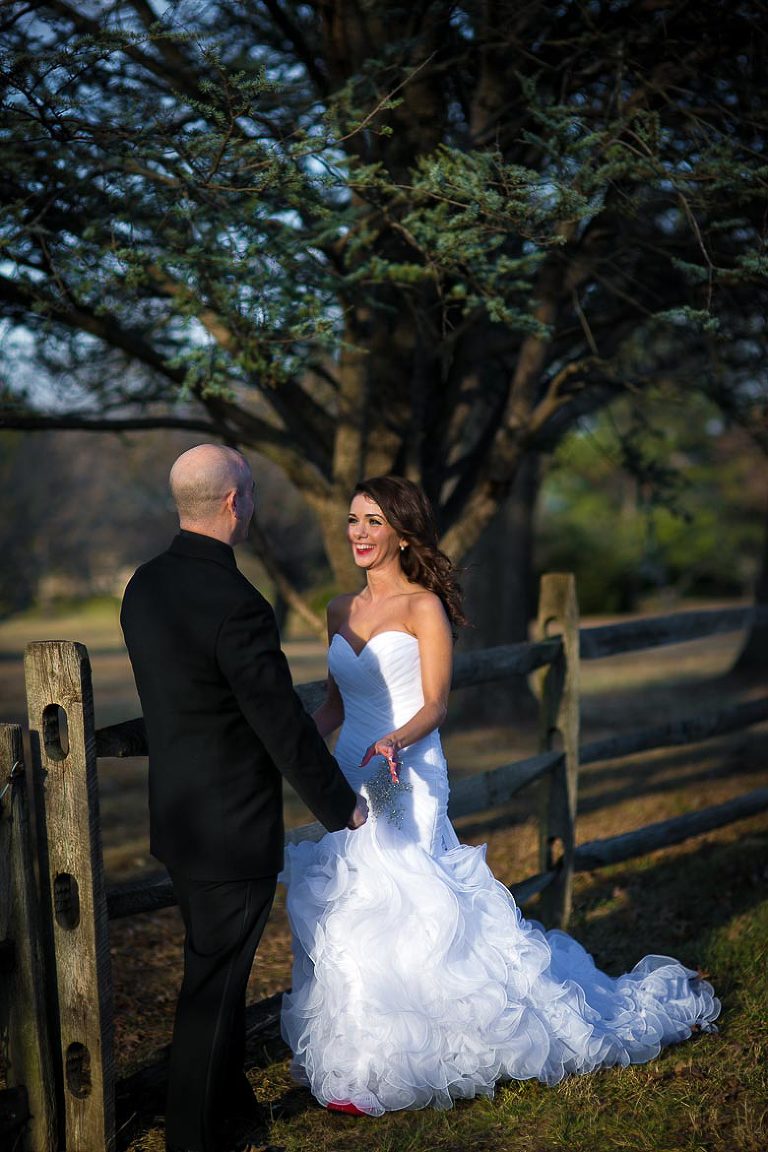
384,632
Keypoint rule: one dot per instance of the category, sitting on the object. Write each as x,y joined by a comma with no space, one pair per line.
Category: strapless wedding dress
415,979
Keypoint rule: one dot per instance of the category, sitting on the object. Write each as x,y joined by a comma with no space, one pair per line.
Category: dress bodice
380,687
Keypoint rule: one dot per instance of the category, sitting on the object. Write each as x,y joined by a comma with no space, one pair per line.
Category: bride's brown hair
409,512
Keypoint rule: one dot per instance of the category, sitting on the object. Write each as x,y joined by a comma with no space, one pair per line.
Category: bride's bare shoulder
426,607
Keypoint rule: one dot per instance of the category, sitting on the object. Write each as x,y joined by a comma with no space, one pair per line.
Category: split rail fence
56,988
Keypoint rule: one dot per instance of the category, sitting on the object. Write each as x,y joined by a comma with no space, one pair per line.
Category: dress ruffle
417,982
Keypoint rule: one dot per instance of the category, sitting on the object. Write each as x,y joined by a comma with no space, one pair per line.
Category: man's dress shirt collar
203,548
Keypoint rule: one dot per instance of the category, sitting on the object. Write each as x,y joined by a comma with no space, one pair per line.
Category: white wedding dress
415,980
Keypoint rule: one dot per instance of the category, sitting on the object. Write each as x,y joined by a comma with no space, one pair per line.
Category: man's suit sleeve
249,655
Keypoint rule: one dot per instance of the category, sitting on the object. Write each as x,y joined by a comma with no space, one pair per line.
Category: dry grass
704,901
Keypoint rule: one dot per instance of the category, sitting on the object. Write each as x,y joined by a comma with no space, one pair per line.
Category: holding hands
360,813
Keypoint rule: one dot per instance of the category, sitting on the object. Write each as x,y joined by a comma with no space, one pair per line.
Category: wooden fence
55,996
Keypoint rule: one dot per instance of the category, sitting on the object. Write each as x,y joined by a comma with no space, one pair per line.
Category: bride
415,979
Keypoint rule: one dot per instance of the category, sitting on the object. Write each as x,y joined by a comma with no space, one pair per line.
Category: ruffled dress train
416,981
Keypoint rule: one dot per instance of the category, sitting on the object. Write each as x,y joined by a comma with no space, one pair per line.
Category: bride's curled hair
409,512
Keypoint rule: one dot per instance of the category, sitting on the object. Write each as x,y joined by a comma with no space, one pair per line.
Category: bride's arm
429,624
330,715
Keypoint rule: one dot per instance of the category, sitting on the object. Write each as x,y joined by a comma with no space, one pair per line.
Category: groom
224,726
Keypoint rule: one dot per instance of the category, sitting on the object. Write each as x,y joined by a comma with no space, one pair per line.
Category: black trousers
224,921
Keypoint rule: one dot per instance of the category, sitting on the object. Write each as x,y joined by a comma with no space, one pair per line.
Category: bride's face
374,541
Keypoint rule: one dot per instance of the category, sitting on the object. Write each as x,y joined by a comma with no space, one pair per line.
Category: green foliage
326,234
654,494
227,194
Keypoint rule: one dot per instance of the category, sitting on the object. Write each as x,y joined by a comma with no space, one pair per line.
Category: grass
705,901
708,1094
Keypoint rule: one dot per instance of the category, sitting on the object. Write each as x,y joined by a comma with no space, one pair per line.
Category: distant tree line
79,512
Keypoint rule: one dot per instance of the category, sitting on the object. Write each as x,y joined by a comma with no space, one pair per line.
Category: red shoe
347,1106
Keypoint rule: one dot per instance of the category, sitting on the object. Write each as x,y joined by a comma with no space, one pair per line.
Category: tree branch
293,32
84,319
289,593
18,421
178,75
306,421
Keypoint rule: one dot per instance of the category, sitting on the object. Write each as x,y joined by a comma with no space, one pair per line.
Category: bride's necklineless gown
415,980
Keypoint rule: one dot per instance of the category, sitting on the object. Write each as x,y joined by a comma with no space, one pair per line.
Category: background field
705,901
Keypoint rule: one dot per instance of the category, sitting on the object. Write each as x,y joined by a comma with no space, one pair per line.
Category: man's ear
232,502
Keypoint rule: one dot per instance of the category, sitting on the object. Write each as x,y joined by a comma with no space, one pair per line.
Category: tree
82,511
659,497
752,661
751,413
358,237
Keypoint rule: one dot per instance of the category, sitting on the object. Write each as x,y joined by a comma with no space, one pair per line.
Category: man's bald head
201,480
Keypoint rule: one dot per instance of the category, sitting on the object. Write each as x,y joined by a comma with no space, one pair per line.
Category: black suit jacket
223,721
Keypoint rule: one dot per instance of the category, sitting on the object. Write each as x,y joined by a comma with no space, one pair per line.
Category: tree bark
752,661
331,513
286,595
501,597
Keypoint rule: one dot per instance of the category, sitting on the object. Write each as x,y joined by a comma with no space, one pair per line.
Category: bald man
224,726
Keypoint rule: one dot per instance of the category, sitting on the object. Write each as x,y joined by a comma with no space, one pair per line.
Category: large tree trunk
501,598
753,658
332,516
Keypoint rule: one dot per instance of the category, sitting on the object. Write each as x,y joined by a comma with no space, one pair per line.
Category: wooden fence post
24,1033
60,702
559,721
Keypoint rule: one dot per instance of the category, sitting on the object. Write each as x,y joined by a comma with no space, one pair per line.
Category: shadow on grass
741,754
640,776
675,904
140,1097
678,903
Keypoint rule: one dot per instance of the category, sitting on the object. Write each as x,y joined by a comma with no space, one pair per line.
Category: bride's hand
388,748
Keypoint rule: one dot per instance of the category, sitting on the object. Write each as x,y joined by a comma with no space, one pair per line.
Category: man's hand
360,814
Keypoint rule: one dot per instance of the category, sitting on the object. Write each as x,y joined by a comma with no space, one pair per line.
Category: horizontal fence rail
489,665
659,631
688,730
263,1018
474,794
129,738
498,786
615,850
